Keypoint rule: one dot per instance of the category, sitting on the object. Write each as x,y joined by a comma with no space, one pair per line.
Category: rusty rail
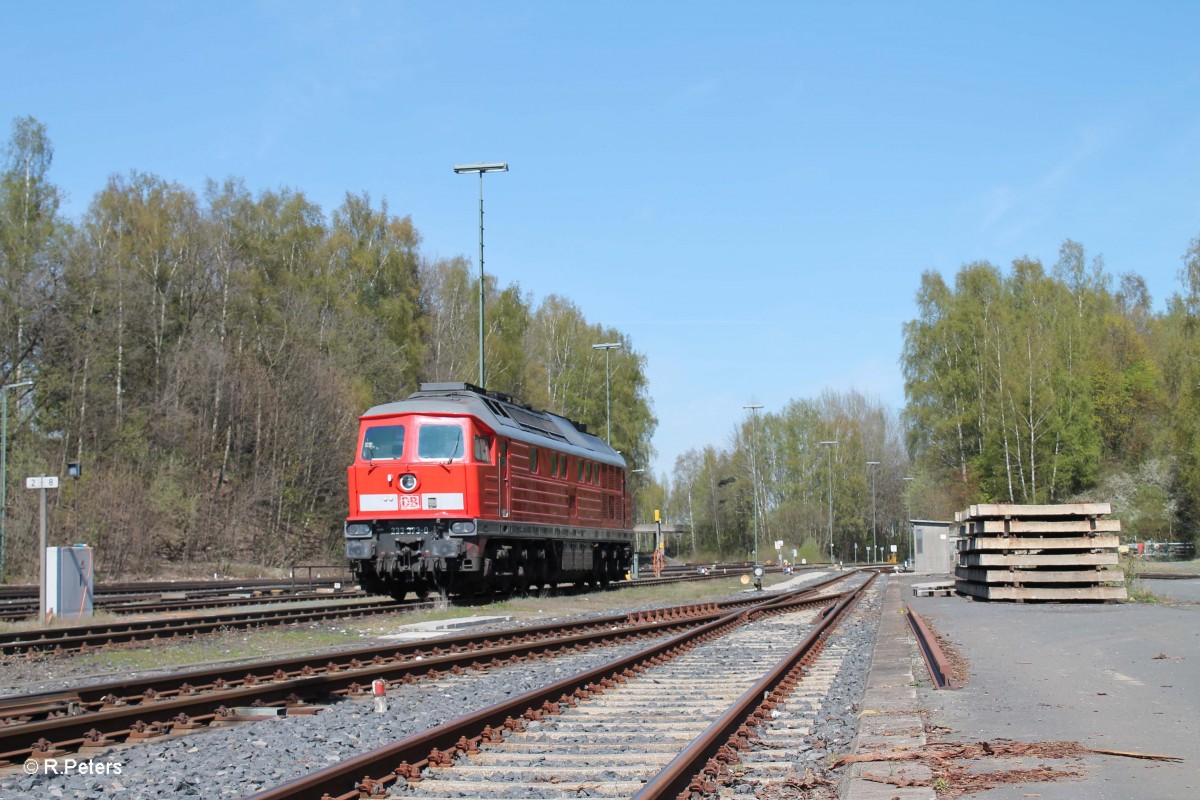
935,658
83,637
193,699
693,771
406,757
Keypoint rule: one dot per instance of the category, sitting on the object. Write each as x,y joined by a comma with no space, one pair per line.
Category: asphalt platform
1122,677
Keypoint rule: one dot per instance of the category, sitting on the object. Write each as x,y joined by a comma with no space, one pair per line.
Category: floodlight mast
462,169
874,541
754,408
607,347
4,464
830,444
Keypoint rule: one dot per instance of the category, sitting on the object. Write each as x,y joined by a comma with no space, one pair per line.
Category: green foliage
207,357
714,489
1031,387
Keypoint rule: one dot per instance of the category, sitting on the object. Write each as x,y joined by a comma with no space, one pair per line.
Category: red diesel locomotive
460,490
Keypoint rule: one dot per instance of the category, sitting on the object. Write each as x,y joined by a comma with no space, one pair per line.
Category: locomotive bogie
466,491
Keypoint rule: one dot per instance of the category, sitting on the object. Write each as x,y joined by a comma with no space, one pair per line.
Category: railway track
82,638
45,724
133,591
139,605
21,601
590,735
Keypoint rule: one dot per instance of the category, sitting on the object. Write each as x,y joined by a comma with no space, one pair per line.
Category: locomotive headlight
357,529
462,527
408,482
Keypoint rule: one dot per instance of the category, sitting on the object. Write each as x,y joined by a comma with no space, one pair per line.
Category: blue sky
750,190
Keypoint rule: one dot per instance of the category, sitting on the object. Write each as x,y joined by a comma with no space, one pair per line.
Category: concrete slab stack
1030,552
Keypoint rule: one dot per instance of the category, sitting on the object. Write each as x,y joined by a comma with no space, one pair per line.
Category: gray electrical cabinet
934,547
69,582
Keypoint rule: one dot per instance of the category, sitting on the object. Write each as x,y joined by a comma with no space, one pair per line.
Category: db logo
410,502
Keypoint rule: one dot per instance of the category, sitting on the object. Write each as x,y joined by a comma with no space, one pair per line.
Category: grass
225,646
1138,593
1166,566
240,645
31,624
534,607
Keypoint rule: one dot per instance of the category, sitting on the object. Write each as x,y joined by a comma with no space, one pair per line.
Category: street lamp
480,168
912,549
874,541
753,408
607,348
830,445
4,464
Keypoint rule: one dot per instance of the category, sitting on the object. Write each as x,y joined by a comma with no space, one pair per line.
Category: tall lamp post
874,539
462,169
637,537
830,445
912,548
607,348
753,408
4,465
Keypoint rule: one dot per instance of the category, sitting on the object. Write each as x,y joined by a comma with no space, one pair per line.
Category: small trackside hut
459,490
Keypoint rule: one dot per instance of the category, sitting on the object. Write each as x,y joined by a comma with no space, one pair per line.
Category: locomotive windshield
383,441
440,442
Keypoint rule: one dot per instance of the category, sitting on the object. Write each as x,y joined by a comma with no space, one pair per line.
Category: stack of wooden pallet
1058,552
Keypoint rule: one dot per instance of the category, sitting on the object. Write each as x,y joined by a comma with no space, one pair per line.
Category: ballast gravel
837,721
241,760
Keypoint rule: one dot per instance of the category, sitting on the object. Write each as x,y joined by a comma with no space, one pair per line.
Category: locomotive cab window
533,458
483,450
440,442
383,441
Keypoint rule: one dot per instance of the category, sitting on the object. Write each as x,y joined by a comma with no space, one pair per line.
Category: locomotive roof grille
535,424
505,411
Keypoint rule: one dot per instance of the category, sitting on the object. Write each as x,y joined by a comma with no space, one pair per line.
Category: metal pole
831,506
3,481
830,445
753,408
42,558
874,535
874,538
912,549
463,169
4,468
607,348
607,398
482,384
